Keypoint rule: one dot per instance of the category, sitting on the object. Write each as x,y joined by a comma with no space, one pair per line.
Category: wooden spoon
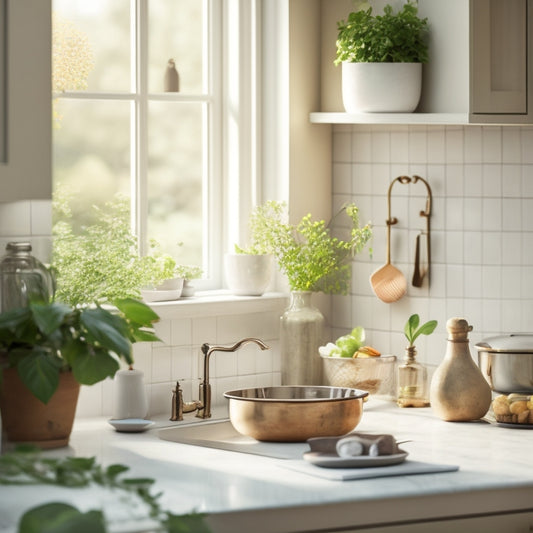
388,283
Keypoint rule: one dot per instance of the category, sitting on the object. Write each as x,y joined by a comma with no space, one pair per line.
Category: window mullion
140,124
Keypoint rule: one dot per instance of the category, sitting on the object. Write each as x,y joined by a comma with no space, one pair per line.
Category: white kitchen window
186,159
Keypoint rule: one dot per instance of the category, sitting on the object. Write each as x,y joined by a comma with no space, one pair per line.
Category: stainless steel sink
223,436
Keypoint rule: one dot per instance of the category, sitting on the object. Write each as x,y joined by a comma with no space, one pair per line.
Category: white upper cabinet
499,76
480,67
26,114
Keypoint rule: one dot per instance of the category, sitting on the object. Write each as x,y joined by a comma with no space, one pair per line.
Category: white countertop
237,489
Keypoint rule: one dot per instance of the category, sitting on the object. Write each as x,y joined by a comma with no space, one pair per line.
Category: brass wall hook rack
419,273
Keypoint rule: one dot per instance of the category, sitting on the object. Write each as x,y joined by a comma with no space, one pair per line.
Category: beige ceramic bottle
459,392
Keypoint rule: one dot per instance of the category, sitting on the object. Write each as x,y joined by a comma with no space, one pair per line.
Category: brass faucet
203,405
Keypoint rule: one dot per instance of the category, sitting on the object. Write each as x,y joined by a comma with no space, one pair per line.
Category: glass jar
412,381
23,277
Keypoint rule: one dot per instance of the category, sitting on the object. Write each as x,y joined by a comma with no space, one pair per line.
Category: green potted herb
49,348
382,57
249,269
99,261
314,260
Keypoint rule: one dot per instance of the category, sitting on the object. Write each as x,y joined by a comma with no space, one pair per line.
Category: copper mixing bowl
295,413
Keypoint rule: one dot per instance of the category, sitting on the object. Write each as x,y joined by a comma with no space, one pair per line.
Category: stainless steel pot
507,362
295,413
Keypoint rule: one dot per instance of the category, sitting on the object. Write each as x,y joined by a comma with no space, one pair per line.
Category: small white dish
155,295
131,425
332,460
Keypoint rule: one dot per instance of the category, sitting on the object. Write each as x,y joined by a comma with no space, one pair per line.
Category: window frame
231,170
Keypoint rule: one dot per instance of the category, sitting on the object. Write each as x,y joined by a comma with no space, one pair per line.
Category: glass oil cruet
412,375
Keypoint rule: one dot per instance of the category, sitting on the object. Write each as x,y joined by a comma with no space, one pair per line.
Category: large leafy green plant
307,252
44,339
388,38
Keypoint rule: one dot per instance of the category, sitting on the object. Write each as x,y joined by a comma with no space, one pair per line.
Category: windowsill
219,302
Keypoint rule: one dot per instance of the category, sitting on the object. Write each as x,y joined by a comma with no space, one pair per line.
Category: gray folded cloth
355,444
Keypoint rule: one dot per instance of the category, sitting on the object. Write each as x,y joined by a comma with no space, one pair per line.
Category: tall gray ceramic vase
301,333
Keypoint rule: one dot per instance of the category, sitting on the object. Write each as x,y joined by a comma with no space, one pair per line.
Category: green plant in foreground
310,256
44,339
387,38
412,331
26,466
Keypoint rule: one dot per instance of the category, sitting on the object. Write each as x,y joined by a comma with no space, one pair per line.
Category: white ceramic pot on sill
381,87
248,274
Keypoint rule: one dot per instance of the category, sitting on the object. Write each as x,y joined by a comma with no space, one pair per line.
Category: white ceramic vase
301,333
247,274
381,87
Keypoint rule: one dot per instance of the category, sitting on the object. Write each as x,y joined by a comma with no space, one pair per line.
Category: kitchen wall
27,220
183,328
482,228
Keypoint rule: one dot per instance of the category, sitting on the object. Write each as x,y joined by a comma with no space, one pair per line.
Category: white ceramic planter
381,87
248,275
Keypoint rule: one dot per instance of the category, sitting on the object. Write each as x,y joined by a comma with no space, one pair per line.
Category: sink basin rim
296,394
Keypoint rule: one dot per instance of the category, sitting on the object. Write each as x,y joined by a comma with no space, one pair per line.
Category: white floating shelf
390,118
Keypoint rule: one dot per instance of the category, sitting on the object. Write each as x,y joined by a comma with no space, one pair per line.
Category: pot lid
513,342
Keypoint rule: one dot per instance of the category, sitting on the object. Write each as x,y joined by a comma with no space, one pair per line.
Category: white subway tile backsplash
342,149
380,149
454,213
454,145
527,214
436,145
15,219
399,147
161,364
482,230
361,145
492,214
526,144
511,145
511,214
492,144
473,180
511,181
473,145
181,332
455,180
473,214
342,176
527,181
492,248
380,176
361,179
492,181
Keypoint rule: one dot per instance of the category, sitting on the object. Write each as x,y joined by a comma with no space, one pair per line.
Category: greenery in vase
47,338
412,330
310,256
26,466
389,38
100,262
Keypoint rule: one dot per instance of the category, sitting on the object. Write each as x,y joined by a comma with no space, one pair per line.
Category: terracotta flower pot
26,419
